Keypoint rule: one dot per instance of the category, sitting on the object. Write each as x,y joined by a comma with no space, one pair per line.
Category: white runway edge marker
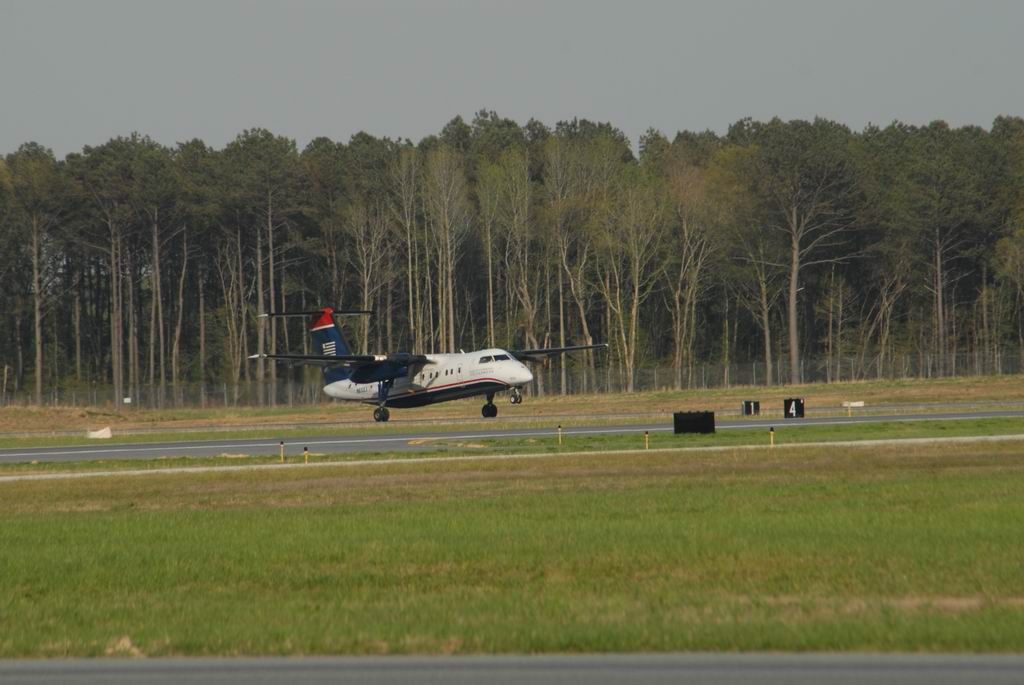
500,457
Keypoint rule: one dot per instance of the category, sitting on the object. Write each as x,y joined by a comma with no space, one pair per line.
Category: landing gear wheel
516,396
381,413
489,410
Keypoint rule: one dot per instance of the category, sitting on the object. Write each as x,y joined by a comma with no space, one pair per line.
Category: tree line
139,265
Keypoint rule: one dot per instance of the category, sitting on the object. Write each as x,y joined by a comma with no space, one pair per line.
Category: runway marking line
499,457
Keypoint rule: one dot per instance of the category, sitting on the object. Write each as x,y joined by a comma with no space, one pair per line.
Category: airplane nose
527,375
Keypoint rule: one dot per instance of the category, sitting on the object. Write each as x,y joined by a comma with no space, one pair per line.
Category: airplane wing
541,354
350,361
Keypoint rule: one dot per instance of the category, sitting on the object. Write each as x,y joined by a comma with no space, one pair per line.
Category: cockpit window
486,360
501,357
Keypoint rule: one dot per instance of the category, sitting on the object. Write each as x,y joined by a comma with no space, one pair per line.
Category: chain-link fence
704,375
305,388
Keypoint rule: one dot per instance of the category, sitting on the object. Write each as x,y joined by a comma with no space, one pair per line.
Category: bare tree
518,234
234,291
558,188
367,226
489,192
630,263
180,312
448,218
689,249
758,286
405,181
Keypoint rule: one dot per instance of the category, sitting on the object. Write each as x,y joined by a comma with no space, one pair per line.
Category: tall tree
631,260
154,193
367,227
327,183
266,168
448,218
36,185
559,188
520,260
489,191
805,174
406,181
103,176
695,214
757,254
196,209
9,259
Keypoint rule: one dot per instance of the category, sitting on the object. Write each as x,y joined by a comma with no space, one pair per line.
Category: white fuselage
447,377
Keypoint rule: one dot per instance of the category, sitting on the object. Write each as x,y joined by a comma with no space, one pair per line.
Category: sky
78,73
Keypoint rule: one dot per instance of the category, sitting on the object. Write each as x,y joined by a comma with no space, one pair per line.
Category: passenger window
486,360
501,357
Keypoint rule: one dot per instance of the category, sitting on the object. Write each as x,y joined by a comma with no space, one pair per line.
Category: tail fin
328,339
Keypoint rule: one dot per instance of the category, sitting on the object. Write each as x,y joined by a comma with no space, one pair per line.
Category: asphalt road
707,669
393,438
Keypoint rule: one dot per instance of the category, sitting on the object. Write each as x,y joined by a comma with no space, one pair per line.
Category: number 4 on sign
793,408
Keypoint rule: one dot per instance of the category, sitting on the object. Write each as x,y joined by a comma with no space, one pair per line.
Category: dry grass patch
819,396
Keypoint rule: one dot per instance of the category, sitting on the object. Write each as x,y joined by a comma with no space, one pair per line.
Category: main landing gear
516,396
381,413
489,410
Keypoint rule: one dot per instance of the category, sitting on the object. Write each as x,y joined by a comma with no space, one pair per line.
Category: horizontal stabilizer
541,354
350,360
318,312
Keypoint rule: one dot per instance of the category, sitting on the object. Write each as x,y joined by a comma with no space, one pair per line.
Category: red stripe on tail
325,319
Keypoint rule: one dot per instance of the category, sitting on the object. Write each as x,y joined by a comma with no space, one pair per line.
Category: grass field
915,549
1003,389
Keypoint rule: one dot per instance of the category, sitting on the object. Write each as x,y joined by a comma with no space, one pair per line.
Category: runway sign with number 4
793,408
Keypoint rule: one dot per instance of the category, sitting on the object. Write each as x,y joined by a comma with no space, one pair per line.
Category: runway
707,669
395,439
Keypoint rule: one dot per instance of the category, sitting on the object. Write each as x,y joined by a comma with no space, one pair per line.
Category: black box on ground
694,421
751,408
793,408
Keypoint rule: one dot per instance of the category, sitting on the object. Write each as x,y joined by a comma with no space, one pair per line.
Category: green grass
811,549
785,433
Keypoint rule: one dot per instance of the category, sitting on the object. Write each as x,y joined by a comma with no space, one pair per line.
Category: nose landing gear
516,396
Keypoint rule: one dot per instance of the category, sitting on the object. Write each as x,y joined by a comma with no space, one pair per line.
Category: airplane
406,380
